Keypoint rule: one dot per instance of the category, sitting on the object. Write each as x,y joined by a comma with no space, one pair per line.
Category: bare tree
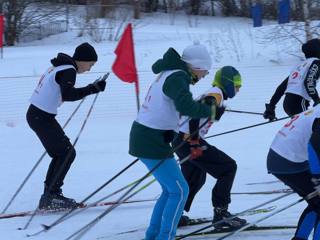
21,14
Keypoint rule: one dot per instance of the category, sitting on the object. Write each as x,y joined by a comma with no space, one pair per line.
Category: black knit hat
85,52
312,48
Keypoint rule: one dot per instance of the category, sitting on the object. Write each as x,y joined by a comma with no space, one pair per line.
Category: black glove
269,113
99,85
219,112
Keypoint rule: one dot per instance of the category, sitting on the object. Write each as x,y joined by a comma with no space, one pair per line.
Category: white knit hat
197,56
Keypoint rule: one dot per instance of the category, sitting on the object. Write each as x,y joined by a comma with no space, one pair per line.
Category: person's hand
99,85
269,113
219,112
195,149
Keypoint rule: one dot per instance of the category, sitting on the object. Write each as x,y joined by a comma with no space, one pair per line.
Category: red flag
124,67
1,30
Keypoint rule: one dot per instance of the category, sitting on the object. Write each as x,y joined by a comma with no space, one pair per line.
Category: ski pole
246,112
135,184
243,128
79,233
37,163
309,196
236,215
61,219
67,157
48,227
82,231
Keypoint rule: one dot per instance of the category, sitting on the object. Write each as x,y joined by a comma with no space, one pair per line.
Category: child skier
56,86
213,161
153,130
300,86
294,158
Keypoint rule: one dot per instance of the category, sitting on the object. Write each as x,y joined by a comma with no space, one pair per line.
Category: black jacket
67,79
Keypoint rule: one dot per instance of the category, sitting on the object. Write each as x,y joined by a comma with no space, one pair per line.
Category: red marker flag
1,30
124,66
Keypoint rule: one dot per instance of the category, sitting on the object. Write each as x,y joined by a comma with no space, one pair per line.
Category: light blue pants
169,207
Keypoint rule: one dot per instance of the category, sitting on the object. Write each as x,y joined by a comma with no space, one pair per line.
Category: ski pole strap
243,128
246,112
236,215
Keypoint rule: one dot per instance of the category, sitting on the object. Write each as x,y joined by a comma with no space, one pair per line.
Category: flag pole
136,84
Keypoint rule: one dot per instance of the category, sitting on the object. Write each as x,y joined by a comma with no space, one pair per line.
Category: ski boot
184,221
231,223
56,201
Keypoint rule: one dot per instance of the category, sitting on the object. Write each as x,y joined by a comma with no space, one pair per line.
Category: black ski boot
184,221
231,223
56,201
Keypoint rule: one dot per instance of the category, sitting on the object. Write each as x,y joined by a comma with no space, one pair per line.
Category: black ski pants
310,218
294,104
214,162
57,145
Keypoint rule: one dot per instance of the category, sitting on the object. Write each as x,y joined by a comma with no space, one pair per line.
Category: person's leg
222,167
301,184
316,233
169,206
57,145
195,178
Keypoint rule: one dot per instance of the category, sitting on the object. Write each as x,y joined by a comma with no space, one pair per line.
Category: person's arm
279,92
176,87
67,78
270,113
194,123
310,81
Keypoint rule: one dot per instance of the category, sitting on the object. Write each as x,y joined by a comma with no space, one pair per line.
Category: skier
56,86
213,161
294,158
153,130
300,86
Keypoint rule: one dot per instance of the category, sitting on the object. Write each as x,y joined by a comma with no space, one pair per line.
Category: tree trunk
195,7
136,8
306,12
213,13
11,22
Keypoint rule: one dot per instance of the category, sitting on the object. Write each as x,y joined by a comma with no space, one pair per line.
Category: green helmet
227,78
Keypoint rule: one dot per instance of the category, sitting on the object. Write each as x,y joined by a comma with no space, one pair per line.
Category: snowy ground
102,148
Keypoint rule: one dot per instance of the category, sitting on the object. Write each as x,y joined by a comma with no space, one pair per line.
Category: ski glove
99,85
269,113
195,149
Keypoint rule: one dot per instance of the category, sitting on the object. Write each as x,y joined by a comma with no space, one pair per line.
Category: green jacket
152,143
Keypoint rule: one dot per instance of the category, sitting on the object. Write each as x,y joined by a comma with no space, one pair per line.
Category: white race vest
297,77
184,122
158,110
292,140
47,95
